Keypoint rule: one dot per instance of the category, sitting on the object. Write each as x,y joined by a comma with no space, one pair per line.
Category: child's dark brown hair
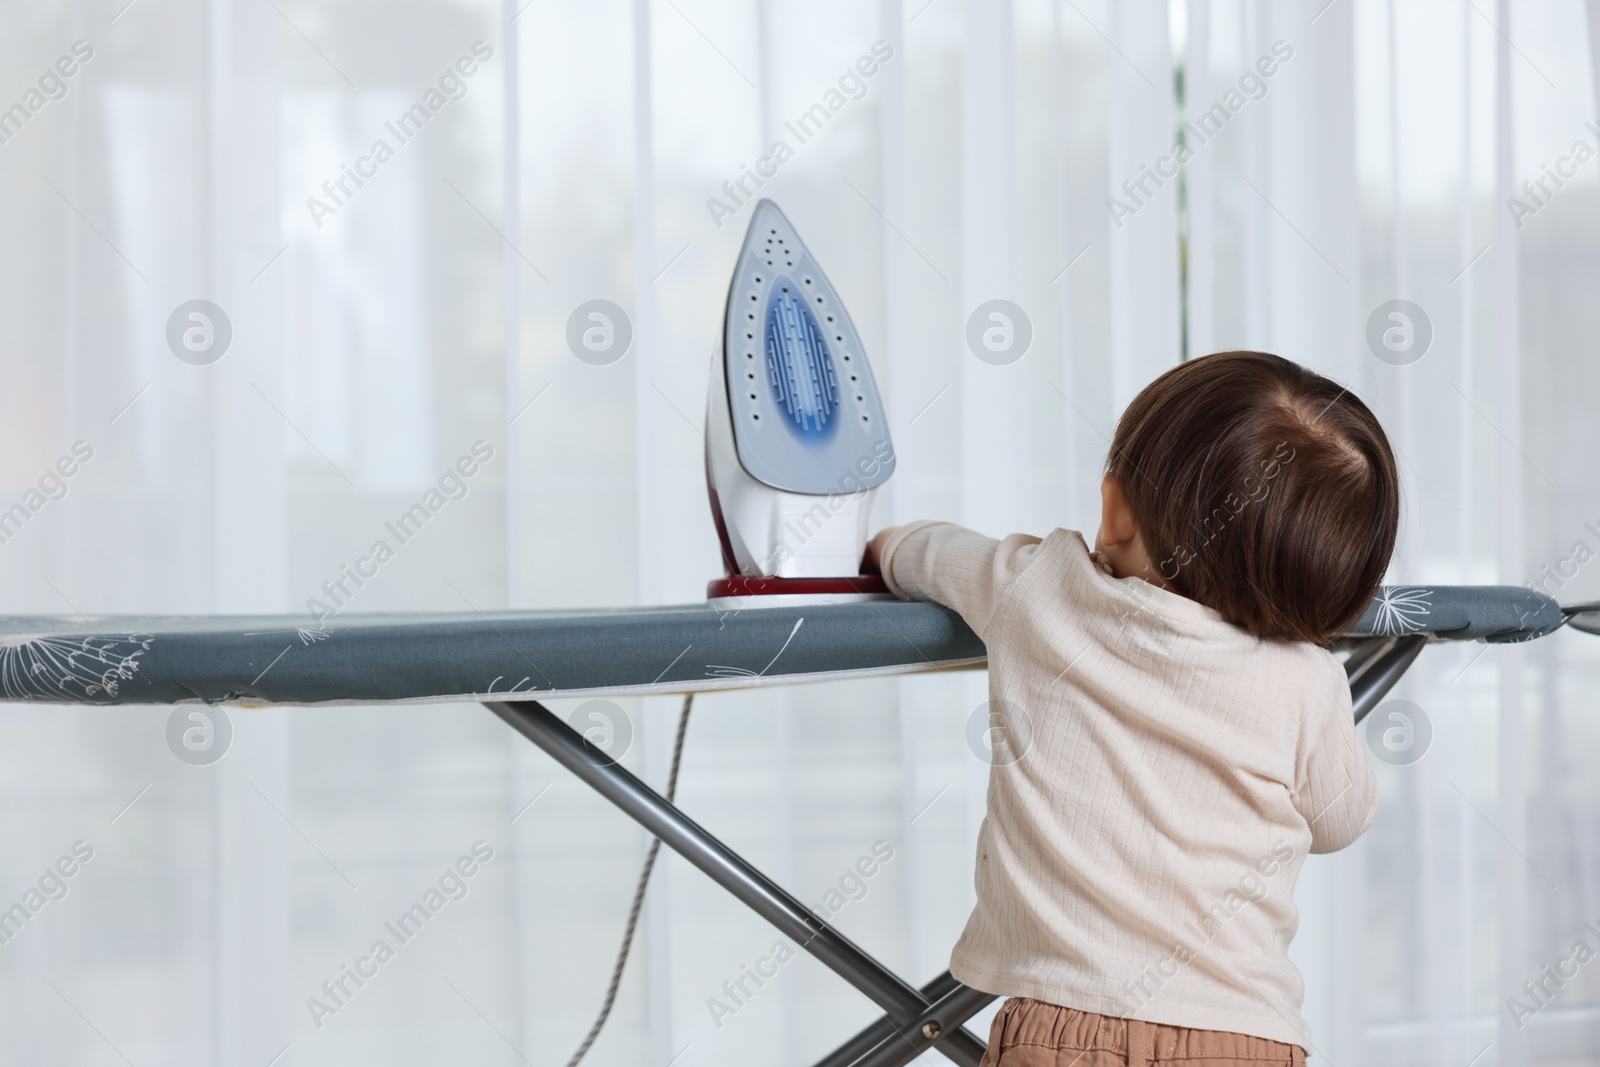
1261,489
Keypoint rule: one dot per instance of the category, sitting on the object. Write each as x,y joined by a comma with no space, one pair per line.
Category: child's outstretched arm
951,565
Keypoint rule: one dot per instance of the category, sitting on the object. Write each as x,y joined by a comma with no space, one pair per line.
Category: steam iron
797,442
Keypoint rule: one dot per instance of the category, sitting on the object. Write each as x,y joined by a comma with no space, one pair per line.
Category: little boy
1183,737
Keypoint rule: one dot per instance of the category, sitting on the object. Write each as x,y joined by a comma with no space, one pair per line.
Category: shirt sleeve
1335,790
951,565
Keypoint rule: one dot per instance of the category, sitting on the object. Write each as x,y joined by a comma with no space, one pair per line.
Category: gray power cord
638,894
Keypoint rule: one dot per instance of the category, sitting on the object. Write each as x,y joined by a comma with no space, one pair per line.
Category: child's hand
869,564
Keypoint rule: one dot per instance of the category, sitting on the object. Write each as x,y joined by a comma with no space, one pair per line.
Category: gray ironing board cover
435,658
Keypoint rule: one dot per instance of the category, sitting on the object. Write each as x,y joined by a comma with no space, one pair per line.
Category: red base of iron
748,585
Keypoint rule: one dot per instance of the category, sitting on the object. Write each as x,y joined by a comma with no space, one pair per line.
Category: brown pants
1031,1033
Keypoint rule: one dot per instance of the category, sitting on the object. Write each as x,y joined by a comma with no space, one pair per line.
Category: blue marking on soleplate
799,366
805,411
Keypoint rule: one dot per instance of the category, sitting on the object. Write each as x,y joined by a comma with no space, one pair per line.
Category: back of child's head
1261,489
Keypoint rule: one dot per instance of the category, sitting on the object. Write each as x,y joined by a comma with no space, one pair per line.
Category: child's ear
1116,518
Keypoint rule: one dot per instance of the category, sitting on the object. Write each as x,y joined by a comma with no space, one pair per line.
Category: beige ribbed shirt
1162,777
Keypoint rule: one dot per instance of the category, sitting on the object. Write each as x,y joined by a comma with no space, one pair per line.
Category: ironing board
509,660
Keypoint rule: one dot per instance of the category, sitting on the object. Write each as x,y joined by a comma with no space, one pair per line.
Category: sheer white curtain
377,336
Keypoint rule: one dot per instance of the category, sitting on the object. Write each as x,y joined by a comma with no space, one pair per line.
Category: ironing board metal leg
728,869
1374,676
920,1034
851,1051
